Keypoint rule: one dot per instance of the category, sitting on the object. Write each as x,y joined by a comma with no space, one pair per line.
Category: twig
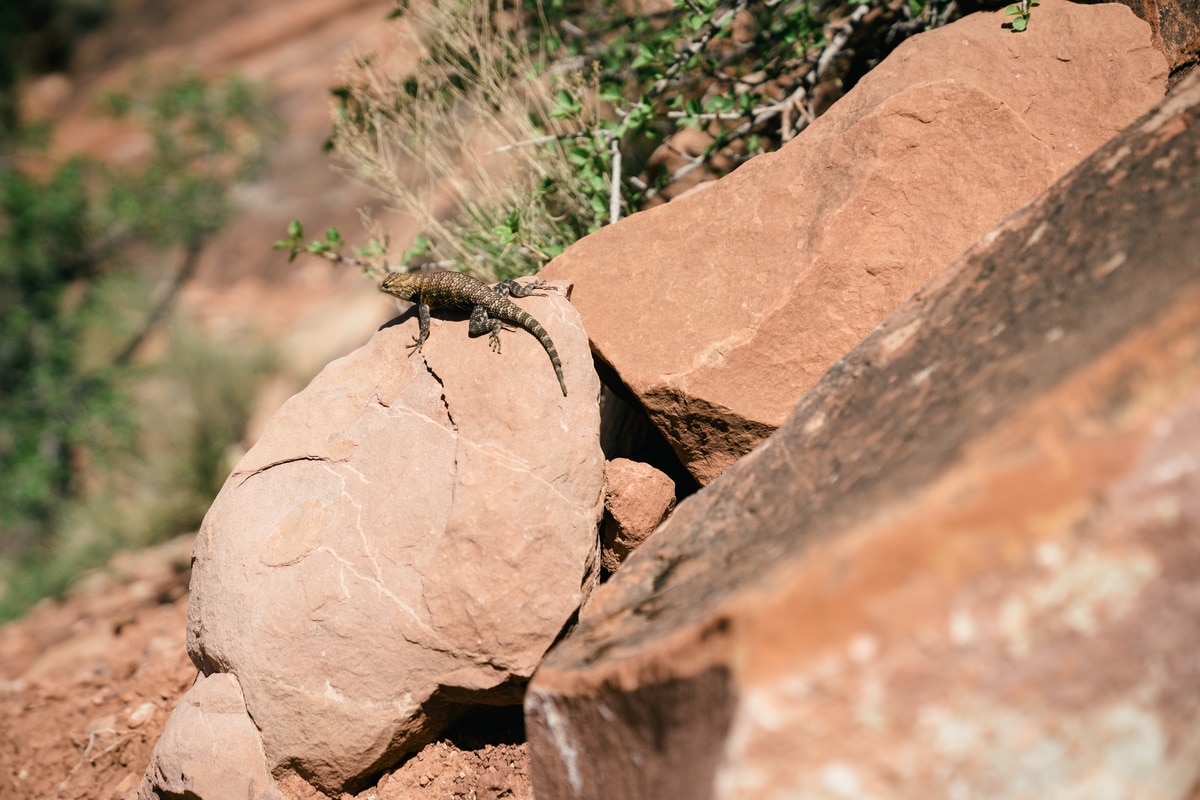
784,108
614,199
819,70
949,11
552,137
450,263
692,165
369,267
122,737
190,259
696,45
707,117
837,43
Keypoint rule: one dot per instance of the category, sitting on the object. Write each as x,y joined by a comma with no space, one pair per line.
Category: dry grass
459,140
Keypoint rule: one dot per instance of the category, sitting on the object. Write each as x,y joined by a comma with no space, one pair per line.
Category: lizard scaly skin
489,306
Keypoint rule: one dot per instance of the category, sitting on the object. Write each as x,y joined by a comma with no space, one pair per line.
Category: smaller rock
101,724
637,498
210,749
126,788
140,714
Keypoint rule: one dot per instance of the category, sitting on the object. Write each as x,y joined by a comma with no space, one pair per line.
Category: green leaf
566,105
645,56
637,116
718,104
578,156
610,93
1020,23
420,247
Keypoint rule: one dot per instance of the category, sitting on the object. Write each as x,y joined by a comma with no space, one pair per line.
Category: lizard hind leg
481,323
512,288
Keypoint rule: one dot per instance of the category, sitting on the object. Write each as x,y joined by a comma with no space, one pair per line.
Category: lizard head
400,284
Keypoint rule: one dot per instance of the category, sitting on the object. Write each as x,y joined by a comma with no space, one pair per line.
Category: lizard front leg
423,322
481,323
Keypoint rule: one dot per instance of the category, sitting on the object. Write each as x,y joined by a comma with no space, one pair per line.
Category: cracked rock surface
406,539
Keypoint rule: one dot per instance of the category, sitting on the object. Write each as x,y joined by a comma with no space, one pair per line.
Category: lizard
489,305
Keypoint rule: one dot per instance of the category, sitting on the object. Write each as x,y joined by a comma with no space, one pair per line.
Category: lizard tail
554,360
551,351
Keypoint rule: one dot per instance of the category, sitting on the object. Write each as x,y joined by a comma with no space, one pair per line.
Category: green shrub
77,299
519,130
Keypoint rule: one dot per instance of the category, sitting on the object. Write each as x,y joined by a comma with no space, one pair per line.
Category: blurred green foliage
85,251
55,406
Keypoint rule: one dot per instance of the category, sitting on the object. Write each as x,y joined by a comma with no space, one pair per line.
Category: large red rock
406,539
720,310
967,565
1175,25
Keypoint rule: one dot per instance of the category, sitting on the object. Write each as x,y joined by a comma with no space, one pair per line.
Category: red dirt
87,684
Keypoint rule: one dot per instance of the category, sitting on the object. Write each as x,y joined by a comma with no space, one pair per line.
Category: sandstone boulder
968,565
719,310
407,538
210,718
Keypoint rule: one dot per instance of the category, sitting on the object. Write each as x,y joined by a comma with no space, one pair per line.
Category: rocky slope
966,563
913,581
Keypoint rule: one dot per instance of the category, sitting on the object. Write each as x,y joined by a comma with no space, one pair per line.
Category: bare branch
553,137
191,258
614,200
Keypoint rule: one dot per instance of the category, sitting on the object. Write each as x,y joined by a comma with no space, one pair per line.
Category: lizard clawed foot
540,284
495,340
415,347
